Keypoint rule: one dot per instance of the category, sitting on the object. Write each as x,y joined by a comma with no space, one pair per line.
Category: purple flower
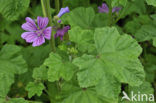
63,11
61,32
104,9
36,34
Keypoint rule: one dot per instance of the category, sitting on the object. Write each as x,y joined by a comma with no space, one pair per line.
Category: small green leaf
82,95
76,3
150,67
151,2
2,100
11,63
83,38
145,88
146,32
91,70
109,87
12,9
135,7
18,100
40,73
119,2
154,41
35,56
82,17
58,68
34,88
135,24
13,34
101,20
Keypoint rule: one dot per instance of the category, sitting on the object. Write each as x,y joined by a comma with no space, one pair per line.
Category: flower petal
104,8
47,33
28,19
63,11
42,22
29,27
39,41
29,36
66,28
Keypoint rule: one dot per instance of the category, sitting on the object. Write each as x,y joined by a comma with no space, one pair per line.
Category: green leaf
83,38
150,72
59,68
35,56
135,24
119,2
150,67
101,20
145,88
116,54
91,66
146,32
109,87
119,54
135,7
34,88
154,41
82,17
82,95
2,100
76,3
12,9
40,73
18,100
11,63
6,80
14,34
151,2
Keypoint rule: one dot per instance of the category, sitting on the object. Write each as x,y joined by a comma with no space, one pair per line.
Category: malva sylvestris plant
77,51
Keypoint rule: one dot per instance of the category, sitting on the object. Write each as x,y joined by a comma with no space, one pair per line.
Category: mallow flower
36,34
104,9
61,32
62,12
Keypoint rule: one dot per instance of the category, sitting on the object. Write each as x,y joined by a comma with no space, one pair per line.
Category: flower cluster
104,9
36,34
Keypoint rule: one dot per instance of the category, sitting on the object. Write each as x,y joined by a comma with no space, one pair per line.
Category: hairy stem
57,5
44,8
110,12
110,16
47,13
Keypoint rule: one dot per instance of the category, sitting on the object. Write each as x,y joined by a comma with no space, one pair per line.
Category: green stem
110,12
110,16
62,3
57,6
43,8
47,13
